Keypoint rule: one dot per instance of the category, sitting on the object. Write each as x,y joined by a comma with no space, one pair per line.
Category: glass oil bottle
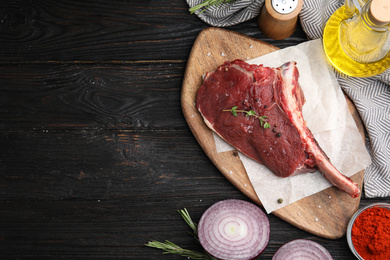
357,38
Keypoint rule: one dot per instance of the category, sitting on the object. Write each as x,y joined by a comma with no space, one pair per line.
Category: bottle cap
379,12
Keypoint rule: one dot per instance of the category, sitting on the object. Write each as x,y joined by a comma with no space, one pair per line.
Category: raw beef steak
234,97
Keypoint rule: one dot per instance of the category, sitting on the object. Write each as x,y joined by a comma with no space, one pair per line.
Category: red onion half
302,249
234,229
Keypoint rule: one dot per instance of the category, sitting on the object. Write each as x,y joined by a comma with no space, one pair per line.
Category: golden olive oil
354,48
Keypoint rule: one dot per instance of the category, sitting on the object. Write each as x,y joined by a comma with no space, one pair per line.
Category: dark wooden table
96,156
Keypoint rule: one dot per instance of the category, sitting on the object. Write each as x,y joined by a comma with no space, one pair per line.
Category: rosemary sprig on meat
263,121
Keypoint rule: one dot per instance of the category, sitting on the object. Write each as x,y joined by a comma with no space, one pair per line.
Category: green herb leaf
187,218
171,248
233,110
250,113
263,121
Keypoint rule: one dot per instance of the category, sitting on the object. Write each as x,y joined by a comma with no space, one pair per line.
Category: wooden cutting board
326,213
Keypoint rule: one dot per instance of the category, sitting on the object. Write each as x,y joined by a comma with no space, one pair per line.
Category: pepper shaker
278,18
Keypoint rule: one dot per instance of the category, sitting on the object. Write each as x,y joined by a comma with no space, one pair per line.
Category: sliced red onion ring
234,229
302,249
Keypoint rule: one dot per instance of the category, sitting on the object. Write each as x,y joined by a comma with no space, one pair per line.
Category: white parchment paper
327,116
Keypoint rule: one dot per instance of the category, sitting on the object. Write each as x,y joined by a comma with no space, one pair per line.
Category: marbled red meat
288,147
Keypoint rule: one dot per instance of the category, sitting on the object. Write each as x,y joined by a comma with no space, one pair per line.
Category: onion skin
302,248
234,230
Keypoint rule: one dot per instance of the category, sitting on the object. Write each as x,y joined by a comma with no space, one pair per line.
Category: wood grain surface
213,47
96,155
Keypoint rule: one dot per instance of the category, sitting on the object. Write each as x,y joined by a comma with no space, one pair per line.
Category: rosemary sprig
263,121
171,248
207,3
187,218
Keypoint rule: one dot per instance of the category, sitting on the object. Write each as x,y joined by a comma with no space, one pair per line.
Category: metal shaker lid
284,6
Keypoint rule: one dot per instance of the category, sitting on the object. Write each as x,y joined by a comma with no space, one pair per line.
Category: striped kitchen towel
228,14
371,96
